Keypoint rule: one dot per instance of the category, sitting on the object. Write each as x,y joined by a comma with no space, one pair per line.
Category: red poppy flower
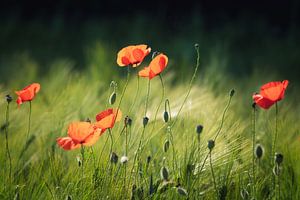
28,93
156,66
79,133
106,119
270,93
132,55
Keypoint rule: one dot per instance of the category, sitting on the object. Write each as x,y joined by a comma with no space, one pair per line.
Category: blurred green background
244,38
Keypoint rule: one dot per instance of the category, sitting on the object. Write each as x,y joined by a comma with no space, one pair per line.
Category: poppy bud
128,121
166,145
254,105
259,151
8,98
196,45
114,158
211,144
164,173
182,191
166,116
68,197
124,159
278,158
88,120
112,98
155,53
78,161
148,159
145,121
199,129
232,91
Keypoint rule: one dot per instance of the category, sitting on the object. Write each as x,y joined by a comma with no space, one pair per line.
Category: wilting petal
262,101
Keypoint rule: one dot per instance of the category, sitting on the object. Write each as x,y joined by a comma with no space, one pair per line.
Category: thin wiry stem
190,85
111,141
29,122
136,95
276,131
213,175
6,140
253,150
102,150
82,170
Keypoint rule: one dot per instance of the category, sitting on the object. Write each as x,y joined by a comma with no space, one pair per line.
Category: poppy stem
190,85
147,98
82,170
6,140
111,142
161,101
276,131
136,95
213,175
102,151
29,122
253,149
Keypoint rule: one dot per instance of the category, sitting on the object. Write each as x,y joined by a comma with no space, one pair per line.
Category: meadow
203,139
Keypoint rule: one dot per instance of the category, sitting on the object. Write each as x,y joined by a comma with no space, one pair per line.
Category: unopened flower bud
182,191
196,45
232,91
210,144
199,129
112,98
259,151
166,116
278,158
128,121
164,173
114,158
166,145
145,121
8,98
124,159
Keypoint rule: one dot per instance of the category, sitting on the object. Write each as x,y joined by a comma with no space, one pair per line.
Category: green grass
47,172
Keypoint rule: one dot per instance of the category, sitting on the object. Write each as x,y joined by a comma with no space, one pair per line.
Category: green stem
82,170
102,150
213,175
276,132
136,95
190,85
111,142
7,146
29,122
253,150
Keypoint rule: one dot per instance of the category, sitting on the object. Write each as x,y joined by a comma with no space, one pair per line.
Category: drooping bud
210,144
128,121
259,151
166,116
164,173
199,129
253,105
78,159
166,145
145,121
196,45
114,158
8,98
278,158
232,91
112,98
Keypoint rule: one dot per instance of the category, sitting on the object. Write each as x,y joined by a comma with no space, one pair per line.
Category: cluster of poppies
87,133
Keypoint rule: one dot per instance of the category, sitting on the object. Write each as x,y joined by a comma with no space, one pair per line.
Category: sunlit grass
47,172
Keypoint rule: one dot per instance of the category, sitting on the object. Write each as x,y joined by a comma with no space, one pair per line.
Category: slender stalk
190,84
213,175
102,150
161,101
276,132
253,150
82,170
29,122
136,95
111,142
6,141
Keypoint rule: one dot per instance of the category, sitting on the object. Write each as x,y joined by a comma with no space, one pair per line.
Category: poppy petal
67,143
262,101
273,90
78,131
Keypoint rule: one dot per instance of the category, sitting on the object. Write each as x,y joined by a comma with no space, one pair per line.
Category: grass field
173,161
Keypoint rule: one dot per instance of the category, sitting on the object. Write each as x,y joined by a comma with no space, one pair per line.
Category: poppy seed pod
259,151
199,129
232,91
278,158
210,144
114,158
8,98
78,159
112,98
166,116
166,145
164,173
145,121
88,120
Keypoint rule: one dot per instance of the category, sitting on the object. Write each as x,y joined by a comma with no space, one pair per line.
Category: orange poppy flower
156,66
79,133
28,93
270,93
106,119
132,55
